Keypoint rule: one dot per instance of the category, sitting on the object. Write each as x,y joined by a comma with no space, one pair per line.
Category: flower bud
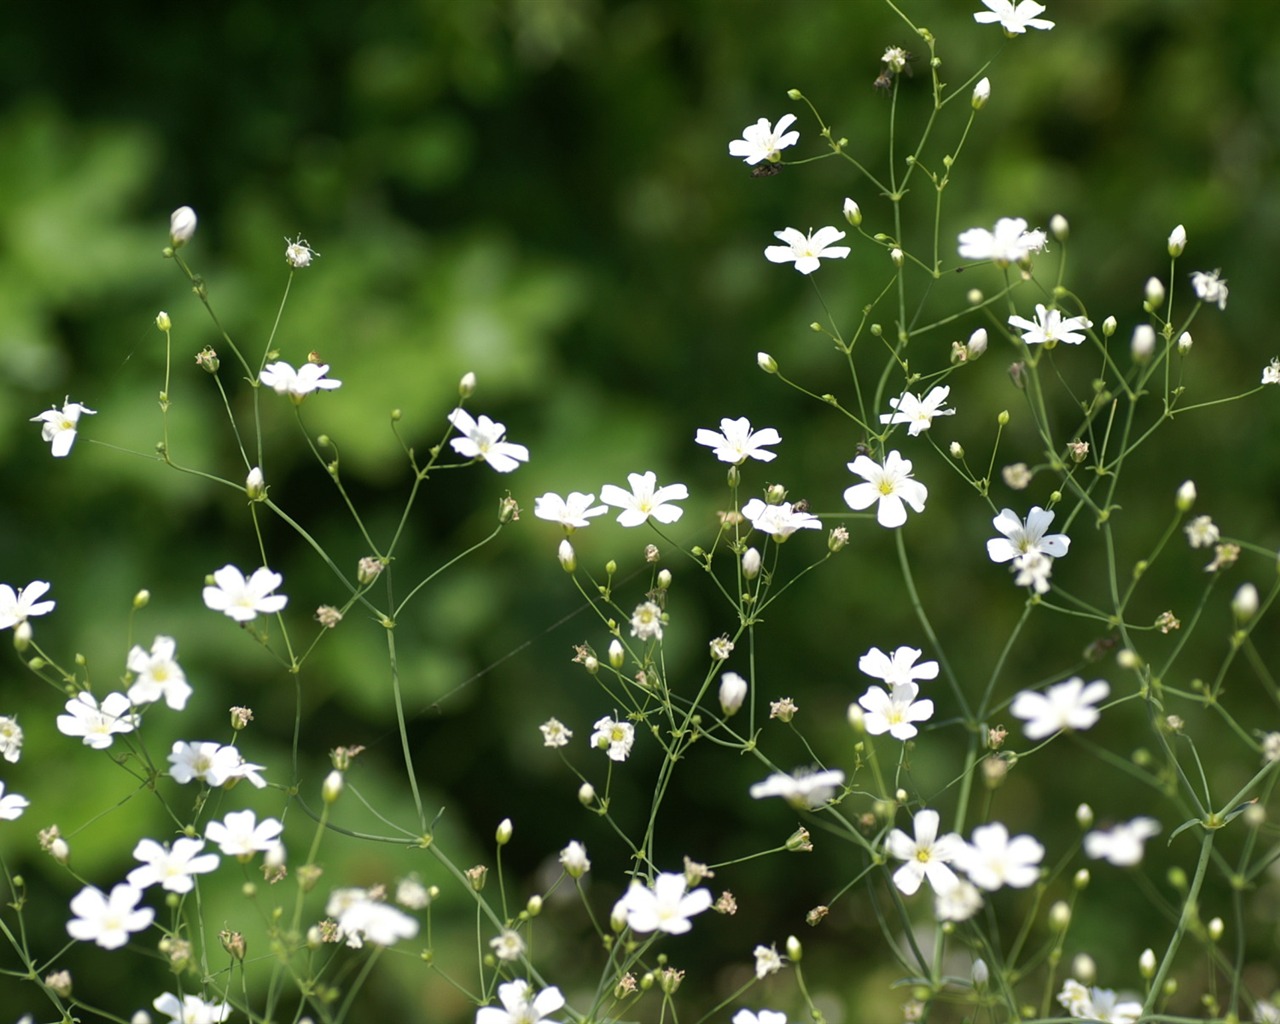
1245,604
568,560
476,876
857,718
255,486
1147,963
163,322
980,974
1186,496
981,93
467,386
508,509
141,599
22,636
1083,969
332,787
1108,327
586,794
617,656
207,360
897,256
59,850
1143,344
1081,879
837,539
852,213
751,563
1084,816
1060,916
664,579
1059,226
733,691
503,835
1184,343
534,907
233,943
1216,928
794,950
956,450
1153,293
1177,241
182,225
977,344
766,362
59,983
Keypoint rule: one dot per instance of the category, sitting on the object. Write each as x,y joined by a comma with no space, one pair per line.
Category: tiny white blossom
780,521
17,607
10,739
762,141
60,426
959,903
897,668
158,675
736,442
646,621
1015,19
520,1005
1021,537
1050,326
806,251
888,486
572,512
614,738
1209,287
666,907
191,1009
926,856
244,599
918,413
283,379
97,724
1010,242
554,733
574,860
172,867
241,835
107,920
507,946
1271,372
1121,845
1066,705
803,790
992,859
895,710
1201,532
645,499
298,253
483,439
12,805
767,961
763,1017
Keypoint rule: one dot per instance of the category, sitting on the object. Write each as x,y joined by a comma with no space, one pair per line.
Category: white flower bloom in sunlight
805,251
897,668
781,520
191,1009
1049,326
158,675
767,961
1010,242
1097,1004
889,485
1208,288
26,603
664,908
241,835
361,918
572,512
762,141
993,860
1201,532
737,442
520,1005
958,903
283,379
107,920
12,806
1015,19
763,1017
1271,372
60,426
10,739
926,855
645,499
803,790
171,868
1122,845
1020,537
244,599
508,946
298,253
483,439
614,738
97,724
1066,705
918,413
895,711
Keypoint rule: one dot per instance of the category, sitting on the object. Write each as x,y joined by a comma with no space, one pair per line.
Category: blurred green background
539,191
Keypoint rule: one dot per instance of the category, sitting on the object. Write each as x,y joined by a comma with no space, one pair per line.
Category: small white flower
572,512
1049,326
17,608
805,251
1014,19
97,724
171,868
666,907
573,858
1033,570
763,1017
1271,372
1097,1004
803,790
918,413
761,141
1201,532
483,439
107,920
645,499
767,961
244,599
614,738
158,675
736,442
283,379
12,806
887,486
361,918
646,621
1066,705
508,946
60,426
1122,845
554,733
520,1005
191,1009
1010,242
1209,287
926,856
780,521
958,903
10,739
895,711
992,859
1021,538
298,253
241,835
411,893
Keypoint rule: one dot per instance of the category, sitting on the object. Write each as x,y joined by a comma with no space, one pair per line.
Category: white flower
212,764
767,961
1033,570
992,859
361,918
645,499
1122,845
483,439
1049,326
297,384
10,739
894,711
191,1009
107,920
1066,705
926,855
573,858
1101,1005
890,485
959,903
182,225
241,835
1208,288
1201,532
243,599
803,790
1271,372
170,868
806,250
298,253
1014,19
614,738
1021,538
1010,242
763,1017
666,907
918,412
60,426
508,946
737,442
646,621
411,893
520,1005
12,806
733,691
897,668
761,141
16,608
554,733
571,512
97,724
158,675
781,520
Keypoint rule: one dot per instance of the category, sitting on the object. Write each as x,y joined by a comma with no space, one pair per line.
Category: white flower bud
956,449
733,691
980,973
1147,963
1109,326
568,560
163,322
1245,604
182,225
1084,816
1143,344
617,656
332,787
794,950
503,834
751,563
1184,343
898,256
255,486
857,718
766,362
586,794
977,343
1186,496
1153,293
1059,226
1177,241
1083,969
852,213
141,1017
1216,928
1060,916
59,850
981,93
467,386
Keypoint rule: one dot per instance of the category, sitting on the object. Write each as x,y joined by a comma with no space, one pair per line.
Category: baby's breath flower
1209,287
298,253
784,709
1224,556
554,733
1016,476
646,621
1177,241
1271,372
767,960
1201,532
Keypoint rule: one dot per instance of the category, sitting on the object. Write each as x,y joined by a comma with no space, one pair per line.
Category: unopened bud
1143,344
182,225
255,486
979,974
852,213
897,256
1081,879
1083,969
617,656
1059,226
1186,496
568,560
503,835
1147,963
1184,343
332,787
22,636
956,450
1109,326
751,563
1177,241
733,691
766,362
586,794
664,579
467,386
1060,916
163,322
1153,293
981,93
1245,604
795,951
977,344
1216,928
534,907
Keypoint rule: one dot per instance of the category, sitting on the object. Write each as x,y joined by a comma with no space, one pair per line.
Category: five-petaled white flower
12,806
762,141
1033,569
15,608
664,908
805,251
283,379
1098,1004
894,711
736,442
520,1005
890,485
614,738
1010,242
212,764
803,789
926,855
1271,372
158,675
1049,326
781,520
1022,538
1202,532
918,413
363,918
107,920
10,739
646,621
572,512
483,439
507,945
1209,287
1066,705
60,426
1015,19
645,499
1122,845
243,599
992,859
97,724
171,868
897,668
241,835
191,1009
